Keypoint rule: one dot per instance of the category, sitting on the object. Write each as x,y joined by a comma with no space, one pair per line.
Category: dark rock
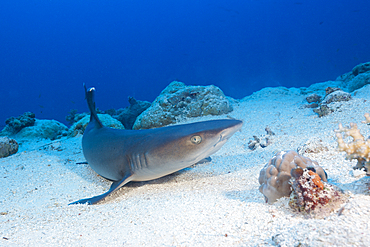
325,108
8,147
313,98
111,112
361,68
254,144
70,118
74,117
128,115
313,105
329,90
16,124
269,131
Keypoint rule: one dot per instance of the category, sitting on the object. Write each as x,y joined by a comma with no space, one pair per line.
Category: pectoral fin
205,160
115,186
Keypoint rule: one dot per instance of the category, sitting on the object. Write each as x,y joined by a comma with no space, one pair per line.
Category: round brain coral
274,177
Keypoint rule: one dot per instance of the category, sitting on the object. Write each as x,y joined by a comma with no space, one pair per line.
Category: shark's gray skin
140,155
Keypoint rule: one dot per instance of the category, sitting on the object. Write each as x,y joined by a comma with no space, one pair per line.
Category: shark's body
140,155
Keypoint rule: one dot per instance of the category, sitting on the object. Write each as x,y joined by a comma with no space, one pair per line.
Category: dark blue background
136,48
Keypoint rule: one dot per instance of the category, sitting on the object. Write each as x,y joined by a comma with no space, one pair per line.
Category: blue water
48,49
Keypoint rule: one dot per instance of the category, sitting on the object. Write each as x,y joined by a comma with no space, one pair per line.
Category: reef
8,147
16,124
357,78
262,141
274,177
178,101
349,82
311,196
80,126
359,148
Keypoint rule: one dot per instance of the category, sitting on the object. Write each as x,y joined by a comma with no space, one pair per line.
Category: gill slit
139,161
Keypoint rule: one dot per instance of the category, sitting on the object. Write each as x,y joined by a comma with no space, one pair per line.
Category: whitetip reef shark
141,155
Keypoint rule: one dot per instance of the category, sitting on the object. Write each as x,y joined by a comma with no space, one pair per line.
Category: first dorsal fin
89,94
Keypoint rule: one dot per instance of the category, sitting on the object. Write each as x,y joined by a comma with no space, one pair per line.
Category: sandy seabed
210,204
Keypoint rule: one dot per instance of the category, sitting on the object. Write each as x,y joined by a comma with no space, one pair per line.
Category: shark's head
209,137
183,145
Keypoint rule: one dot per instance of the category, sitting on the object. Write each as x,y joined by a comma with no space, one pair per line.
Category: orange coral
316,179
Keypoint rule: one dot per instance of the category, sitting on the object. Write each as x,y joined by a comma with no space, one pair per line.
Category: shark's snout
228,132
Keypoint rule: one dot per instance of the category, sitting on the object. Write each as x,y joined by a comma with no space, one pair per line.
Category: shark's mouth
221,141
225,135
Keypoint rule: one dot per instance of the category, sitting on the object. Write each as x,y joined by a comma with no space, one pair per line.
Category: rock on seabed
179,101
8,147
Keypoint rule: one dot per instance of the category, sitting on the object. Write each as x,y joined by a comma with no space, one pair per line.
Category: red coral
309,193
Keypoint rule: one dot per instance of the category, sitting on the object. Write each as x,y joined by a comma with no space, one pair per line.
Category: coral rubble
263,141
312,146
312,196
358,149
274,177
333,95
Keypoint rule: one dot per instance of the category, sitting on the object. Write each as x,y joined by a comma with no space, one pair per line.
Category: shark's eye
196,139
